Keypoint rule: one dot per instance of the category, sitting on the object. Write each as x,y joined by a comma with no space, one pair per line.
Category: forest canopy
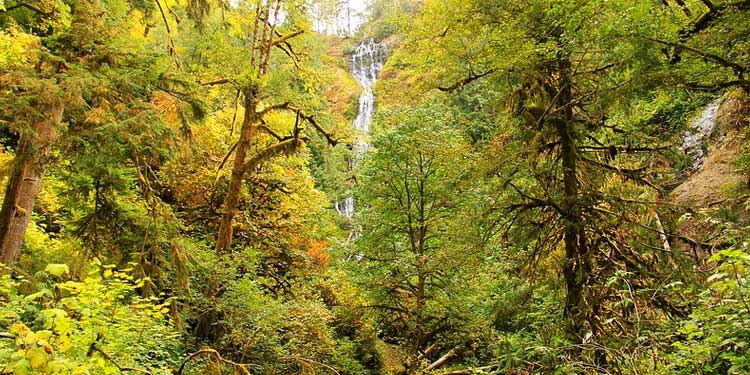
374,187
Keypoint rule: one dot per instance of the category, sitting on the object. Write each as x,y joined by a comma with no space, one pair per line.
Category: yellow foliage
17,47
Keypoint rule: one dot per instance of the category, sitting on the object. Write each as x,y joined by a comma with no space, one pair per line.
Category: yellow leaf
37,357
57,269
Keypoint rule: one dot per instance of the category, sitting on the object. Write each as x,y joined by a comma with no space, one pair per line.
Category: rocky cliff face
715,193
716,175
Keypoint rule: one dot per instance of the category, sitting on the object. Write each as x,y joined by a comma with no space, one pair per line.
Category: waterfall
700,130
366,64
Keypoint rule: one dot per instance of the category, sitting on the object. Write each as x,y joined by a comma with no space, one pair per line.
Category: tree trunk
26,180
571,265
232,199
575,263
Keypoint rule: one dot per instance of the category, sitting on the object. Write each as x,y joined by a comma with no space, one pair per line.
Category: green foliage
276,334
464,212
714,339
97,325
415,249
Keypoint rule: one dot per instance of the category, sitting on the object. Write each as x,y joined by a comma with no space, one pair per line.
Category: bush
95,326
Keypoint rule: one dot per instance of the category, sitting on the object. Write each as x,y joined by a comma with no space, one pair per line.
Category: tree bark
575,264
232,199
25,180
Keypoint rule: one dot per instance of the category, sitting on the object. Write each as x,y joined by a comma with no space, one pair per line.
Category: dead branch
108,357
441,361
427,351
470,371
310,362
632,174
328,135
225,159
214,353
172,48
215,82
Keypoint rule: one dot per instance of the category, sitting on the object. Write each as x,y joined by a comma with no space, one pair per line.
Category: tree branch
108,357
722,85
470,370
310,362
275,107
216,82
710,56
471,78
226,158
172,48
27,6
212,352
328,135
632,174
286,37
442,360
264,127
287,147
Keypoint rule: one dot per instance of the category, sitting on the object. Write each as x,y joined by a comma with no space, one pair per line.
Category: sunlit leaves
55,335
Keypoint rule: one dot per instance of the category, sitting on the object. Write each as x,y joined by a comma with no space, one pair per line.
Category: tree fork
232,199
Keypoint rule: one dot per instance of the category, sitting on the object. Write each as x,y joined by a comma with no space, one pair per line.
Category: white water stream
699,132
366,64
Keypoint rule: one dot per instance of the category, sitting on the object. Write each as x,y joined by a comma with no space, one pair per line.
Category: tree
264,39
415,253
568,176
71,51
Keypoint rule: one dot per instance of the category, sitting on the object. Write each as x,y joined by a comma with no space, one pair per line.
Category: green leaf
57,269
34,296
22,367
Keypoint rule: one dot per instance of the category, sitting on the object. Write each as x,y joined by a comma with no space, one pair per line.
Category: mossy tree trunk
25,180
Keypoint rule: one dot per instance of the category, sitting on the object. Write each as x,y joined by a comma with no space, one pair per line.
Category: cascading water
366,64
699,132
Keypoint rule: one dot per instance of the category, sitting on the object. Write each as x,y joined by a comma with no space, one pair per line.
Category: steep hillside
710,185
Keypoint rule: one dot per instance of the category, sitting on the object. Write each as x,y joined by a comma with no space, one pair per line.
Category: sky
356,15
358,8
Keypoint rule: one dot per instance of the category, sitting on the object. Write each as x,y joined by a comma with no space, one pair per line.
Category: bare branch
275,107
328,135
226,158
27,6
310,362
722,85
441,361
632,174
471,78
214,353
309,118
264,127
707,55
470,370
108,357
172,49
